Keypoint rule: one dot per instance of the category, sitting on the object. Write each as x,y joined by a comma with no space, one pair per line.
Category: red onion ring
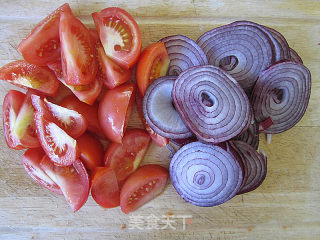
251,135
183,53
159,112
211,103
205,175
243,49
254,166
282,92
294,56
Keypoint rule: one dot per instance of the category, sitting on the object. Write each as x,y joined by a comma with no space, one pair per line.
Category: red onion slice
294,56
159,111
211,103
243,49
183,53
282,92
251,135
254,166
205,175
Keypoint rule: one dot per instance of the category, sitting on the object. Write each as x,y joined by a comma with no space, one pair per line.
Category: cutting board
286,206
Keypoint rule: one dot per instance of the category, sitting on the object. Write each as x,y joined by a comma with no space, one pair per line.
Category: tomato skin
115,109
31,162
159,140
125,157
73,181
63,155
42,45
89,112
153,63
79,65
11,106
142,186
105,189
128,56
91,151
29,76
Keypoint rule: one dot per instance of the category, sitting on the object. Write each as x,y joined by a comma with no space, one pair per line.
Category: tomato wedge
91,151
58,145
73,181
114,111
89,112
104,189
26,75
72,122
153,63
11,106
142,186
79,65
125,157
31,162
42,45
159,140
85,93
119,34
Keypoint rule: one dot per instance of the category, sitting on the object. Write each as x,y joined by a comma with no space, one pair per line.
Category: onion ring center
228,63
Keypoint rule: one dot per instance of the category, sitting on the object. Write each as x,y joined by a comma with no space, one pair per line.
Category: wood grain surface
286,206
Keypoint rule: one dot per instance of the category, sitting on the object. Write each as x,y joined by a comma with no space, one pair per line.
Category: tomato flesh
125,157
42,45
73,181
119,34
114,111
153,63
26,75
105,189
31,162
142,186
77,51
58,145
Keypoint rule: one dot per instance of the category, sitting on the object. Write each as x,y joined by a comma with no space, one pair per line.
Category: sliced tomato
125,157
26,75
24,127
105,189
42,45
153,63
91,151
79,65
72,122
159,140
114,111
142,186
73,181
119,34
11,106
85,93
90,112
31,162
58,145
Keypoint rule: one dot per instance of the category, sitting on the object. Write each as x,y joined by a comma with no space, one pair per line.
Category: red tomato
119,34
114,111
85,93
58,145
125,157
42,45
73,181
11,106
79,65
26,75
159,140
31,163
89,112
153,63
142,186
69,120
104,189
91,151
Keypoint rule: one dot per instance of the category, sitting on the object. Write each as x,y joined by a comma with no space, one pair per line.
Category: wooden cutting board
286,206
